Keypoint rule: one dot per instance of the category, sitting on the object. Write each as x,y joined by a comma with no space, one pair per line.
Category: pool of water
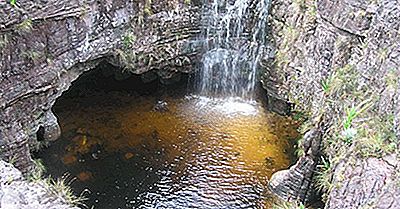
169,151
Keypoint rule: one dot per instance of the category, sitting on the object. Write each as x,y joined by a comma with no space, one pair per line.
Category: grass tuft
323,177
38,171
60,187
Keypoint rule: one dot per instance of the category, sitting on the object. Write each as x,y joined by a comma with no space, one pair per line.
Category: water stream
234,42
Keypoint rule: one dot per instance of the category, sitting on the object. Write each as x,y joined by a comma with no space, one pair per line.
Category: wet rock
50,129
269,162
122,75
296,183
175,78
161,106
149,77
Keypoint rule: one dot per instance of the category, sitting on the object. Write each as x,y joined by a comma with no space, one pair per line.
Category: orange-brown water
196,153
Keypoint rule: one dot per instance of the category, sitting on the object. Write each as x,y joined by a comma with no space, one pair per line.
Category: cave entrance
141,142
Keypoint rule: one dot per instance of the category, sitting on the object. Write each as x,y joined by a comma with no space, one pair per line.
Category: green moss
31,55
25,26
128,39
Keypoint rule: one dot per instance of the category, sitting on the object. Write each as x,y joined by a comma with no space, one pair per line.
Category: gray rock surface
369,183
45,45
325,39
17,193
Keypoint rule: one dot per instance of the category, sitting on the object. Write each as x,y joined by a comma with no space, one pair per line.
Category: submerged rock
161,106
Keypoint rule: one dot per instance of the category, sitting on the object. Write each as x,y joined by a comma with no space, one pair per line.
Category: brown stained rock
85,176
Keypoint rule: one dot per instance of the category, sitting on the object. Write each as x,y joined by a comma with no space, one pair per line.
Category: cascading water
234,42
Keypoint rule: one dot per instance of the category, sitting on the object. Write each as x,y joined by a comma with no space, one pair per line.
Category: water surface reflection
131,151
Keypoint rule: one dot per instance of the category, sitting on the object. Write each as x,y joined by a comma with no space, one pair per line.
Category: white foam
229,106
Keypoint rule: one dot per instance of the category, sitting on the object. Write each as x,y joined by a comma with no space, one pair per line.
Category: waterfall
233,42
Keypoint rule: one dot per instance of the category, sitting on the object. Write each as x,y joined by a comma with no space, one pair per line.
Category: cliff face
46,45
337,62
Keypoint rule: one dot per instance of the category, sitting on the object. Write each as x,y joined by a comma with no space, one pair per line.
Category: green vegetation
299,150
127,56
12,159
38,145
377,137
128,39
349,133
25,26
38,171
147,7
356,105
323,177
301,4
326,84
59,187
13,2
4,39
31,55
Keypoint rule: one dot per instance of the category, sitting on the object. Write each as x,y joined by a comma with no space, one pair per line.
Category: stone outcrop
369,183
296,183
333,56
17,193
45,45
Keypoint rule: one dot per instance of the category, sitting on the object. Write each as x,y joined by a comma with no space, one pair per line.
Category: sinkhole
131,141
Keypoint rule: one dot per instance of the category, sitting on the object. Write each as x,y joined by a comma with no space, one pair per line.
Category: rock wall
337,62
45,45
